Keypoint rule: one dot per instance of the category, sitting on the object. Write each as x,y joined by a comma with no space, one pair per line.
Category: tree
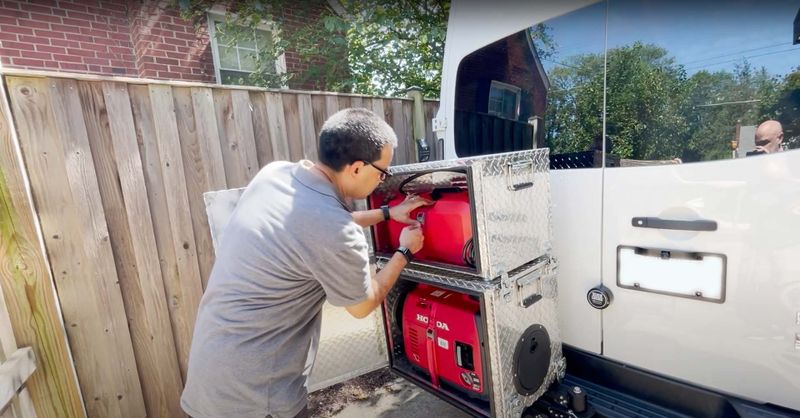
376,47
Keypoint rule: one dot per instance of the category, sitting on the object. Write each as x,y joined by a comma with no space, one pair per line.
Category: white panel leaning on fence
16,367
348,347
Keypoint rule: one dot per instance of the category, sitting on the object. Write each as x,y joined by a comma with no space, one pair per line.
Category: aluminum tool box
490,348
491,213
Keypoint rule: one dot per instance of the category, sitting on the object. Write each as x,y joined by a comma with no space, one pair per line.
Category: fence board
202,162
344,102
112,136
25,277
65,188
264,147
236,136
331,105
277,126
320,113
305,113
356,102
188,282
294,136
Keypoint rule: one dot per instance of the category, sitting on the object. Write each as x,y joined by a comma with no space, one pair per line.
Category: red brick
81,52
7,20
119,36
120,63
164,47
65,43
101,26
79,15
50,64
34,40
5,60
72,66
28,62
67,58
186,36
125,44
175,42
14,13
167,61
119,50
45,18
18,45
50,34
95,69
94,47
80,38
95,61
51,49
106,55
15,29
59,12
94,32
118,21
174,28
10,52
34,24
166,74
105,41
72,6
38,8
154,67
66,28
76,22
37,55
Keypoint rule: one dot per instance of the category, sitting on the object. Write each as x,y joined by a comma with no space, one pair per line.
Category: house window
504,100
236,49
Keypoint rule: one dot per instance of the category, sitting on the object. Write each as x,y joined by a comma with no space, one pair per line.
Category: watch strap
386,214
406,253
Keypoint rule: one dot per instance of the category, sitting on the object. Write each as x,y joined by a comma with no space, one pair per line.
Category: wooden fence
117,169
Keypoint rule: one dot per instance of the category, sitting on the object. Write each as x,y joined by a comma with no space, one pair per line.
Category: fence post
418,121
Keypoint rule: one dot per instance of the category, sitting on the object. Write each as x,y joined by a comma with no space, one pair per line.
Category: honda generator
442,337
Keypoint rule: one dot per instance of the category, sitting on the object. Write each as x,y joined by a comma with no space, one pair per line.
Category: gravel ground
378,395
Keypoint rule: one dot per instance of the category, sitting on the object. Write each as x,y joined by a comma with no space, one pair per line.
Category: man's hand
401,213
411,237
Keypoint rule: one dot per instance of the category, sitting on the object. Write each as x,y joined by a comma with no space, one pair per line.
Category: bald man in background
769,136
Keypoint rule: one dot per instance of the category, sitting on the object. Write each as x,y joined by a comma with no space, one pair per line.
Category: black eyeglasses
384,174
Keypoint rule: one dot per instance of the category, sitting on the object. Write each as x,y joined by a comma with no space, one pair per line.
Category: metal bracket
505,286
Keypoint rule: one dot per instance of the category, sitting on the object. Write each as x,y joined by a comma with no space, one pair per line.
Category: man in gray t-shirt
292,243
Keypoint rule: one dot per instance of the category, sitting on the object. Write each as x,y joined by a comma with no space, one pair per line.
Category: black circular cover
531,359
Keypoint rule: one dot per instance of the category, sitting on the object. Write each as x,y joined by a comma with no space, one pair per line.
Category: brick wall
167,46
75,36
137,38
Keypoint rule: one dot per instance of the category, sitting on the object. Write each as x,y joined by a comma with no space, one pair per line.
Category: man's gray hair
351,135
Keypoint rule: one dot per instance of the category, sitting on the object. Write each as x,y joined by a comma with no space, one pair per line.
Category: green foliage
656,112
377,47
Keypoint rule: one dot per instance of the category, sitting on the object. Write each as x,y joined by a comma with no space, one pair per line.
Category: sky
702,35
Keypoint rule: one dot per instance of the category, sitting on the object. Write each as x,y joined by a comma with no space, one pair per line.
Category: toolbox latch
519,174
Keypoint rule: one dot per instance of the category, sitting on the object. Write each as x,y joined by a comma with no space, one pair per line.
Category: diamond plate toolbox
518,354
505,211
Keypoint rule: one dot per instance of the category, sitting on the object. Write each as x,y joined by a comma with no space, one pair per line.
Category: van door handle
658,223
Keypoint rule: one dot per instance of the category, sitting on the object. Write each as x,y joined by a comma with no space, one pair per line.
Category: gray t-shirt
290,244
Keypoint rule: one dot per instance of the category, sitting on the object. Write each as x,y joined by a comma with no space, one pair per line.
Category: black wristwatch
406,253
386,214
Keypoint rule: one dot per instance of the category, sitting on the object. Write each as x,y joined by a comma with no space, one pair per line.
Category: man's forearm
385,279
365,218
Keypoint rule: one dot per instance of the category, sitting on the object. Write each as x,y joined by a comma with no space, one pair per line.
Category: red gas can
447,227
441,336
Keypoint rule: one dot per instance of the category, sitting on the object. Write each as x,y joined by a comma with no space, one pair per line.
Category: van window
521,92
692,81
